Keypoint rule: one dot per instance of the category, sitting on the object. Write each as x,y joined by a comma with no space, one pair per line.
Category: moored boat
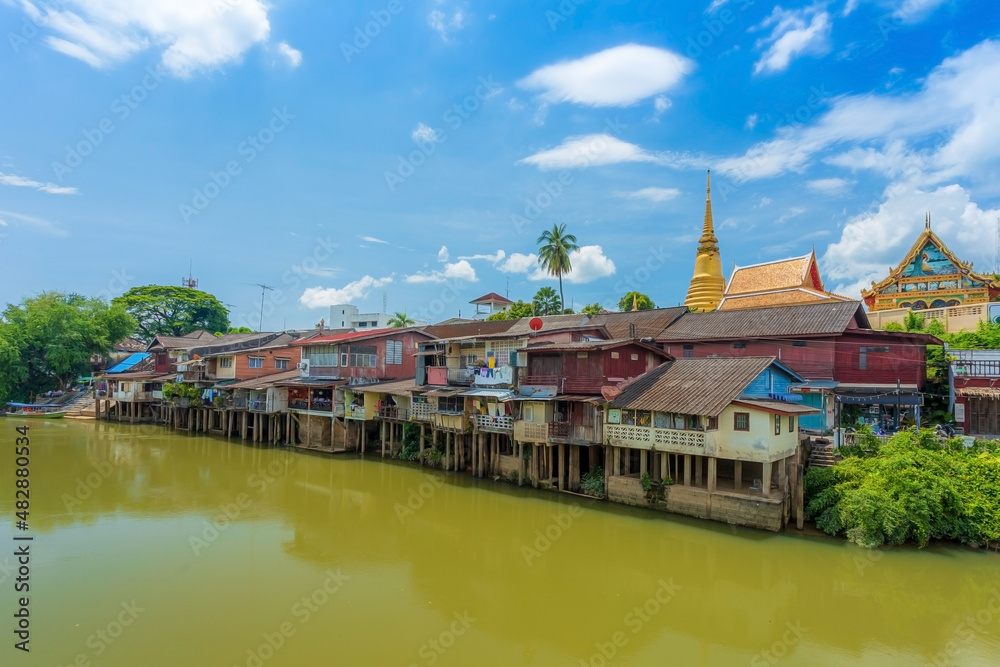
36,411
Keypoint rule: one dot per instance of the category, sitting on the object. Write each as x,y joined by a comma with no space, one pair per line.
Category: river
156,548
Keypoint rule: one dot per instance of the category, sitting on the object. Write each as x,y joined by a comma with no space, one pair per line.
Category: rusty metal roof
398,387
264,381
818,319
702,386
782,407
648,323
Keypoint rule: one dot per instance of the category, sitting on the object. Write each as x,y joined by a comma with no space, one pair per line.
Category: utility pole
263,288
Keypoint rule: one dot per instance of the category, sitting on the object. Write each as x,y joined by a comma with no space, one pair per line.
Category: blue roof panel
128,362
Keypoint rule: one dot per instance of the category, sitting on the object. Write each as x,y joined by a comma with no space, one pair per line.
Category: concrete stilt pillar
562,467
737,475
767,479
687,470
699,464
712,467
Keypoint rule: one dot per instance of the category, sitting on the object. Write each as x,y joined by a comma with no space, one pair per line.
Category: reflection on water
246,556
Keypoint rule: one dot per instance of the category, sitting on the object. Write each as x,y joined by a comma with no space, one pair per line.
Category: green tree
48,340
640,300
547,302
400,321
237,330
514,311
553,254
161,310
593,309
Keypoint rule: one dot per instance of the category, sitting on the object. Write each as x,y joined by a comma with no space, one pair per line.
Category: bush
914,488
592,482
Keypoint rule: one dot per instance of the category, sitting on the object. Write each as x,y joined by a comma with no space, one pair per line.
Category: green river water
350,561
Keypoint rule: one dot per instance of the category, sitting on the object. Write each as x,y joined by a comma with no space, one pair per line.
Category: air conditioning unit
303,365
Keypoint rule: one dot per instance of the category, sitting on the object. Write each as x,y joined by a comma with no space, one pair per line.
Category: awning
498,394
881,398
814,385
428,353
781,407
444,392
582,398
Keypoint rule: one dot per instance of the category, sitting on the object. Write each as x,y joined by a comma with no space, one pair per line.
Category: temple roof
782,282
927,236
782,297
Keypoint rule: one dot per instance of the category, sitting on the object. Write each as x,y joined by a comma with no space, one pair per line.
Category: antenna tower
189,281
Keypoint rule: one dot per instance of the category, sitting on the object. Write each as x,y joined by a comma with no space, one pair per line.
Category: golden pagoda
930,276
784,282
708,283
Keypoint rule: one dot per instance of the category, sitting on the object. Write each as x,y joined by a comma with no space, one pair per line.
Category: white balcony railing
421,411
646,437
501,424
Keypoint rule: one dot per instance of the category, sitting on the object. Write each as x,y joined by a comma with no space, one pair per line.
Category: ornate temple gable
930,276
782,282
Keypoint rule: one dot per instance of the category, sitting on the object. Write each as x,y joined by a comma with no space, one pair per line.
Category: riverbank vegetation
913,488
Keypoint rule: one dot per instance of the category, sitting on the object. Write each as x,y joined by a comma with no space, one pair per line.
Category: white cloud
514,105
39,223
764,201
589,263
24,182
794,32
793,212
445,25
751,122
322,297
946,128
914,11
653,194
519,263
619,76
495,258
460,270
443,254
424,134
194,34
661,104
829,186
292,55
874,241
716,4
591,150
372,239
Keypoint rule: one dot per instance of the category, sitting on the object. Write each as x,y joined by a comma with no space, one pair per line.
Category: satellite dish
535,323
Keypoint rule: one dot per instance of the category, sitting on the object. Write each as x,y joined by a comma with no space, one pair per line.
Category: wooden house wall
815,360
905,362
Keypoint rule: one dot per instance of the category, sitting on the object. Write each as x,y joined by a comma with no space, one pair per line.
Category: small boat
36,411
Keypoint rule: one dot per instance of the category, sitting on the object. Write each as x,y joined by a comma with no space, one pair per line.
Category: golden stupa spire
708,284
635,302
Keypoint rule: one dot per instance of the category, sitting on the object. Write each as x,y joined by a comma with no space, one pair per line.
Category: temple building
930,276
784,282
708,283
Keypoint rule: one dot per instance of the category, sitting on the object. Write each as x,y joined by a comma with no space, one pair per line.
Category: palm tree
554,254
546,302
400,321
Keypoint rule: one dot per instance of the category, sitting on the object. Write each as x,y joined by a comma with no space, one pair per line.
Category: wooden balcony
977,368
393,412
662,439
356,413
559,430
502,424
583,385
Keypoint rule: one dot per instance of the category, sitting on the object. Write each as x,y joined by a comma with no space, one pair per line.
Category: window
322,355
454,404
713,423
529,413
739,346
394,352
362,356
798,343
694,422
741,421
863,358
791,423
661,419
688,351
256,362
225,362
635,357
281,363
614,355
777,424
581,355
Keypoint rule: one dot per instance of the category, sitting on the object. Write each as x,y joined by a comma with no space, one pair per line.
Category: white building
346,316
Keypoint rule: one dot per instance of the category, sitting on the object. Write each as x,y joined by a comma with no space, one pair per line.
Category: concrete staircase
81,407
821,456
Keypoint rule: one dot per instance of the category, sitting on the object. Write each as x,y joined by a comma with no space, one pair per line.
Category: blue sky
415,149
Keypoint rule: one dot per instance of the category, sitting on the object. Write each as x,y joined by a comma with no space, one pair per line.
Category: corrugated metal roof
462,329
394,387
647,323
128,362
804,320
499,394
263,382
782,407
702,386
592,345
